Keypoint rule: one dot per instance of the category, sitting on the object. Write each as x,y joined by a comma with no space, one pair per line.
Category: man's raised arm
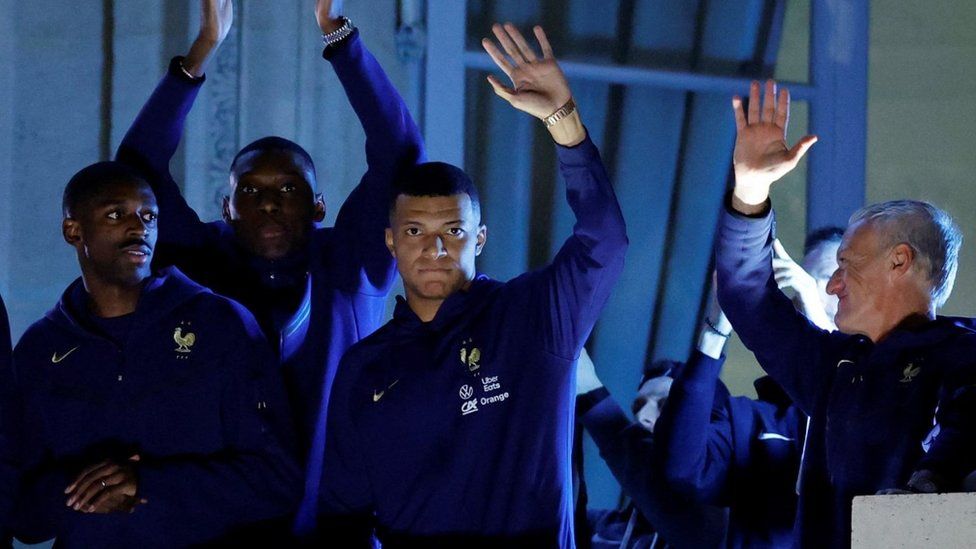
393,142
151,141
785,343
580,278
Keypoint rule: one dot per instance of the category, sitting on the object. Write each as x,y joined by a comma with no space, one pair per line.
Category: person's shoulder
224,311
40,331
41,338
371,347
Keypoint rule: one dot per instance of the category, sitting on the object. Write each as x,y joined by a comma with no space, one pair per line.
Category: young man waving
453,423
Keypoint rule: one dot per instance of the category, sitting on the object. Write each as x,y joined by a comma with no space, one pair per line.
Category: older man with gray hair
873,388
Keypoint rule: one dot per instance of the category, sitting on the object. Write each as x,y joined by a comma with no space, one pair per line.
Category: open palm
762,155
538,85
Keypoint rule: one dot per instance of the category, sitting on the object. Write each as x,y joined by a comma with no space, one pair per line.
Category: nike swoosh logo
55,358
377,395
774,436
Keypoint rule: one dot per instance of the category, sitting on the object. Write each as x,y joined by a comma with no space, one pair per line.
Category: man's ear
482,238
225,209
319,215
901,257
71,231
389,241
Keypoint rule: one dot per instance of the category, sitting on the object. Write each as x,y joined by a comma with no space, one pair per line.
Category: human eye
288,187
149,217
457,232
412,231
247,189
114,215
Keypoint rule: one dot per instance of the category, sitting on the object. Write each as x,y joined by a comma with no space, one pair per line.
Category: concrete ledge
946,521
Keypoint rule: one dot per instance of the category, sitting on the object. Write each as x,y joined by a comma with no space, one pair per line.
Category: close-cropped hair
929,231
435,179
275,143
91,181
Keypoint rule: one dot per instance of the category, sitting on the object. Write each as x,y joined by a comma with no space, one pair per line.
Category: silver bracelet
340,34
187,73
562,112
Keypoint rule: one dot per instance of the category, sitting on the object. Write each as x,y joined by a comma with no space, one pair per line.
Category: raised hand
790,275
328,13
538,85
216,19
762,155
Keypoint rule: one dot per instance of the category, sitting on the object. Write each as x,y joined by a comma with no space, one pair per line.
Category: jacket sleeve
150,144
33,501
575,287
694,436
393,142
255,476
345,504
953,451
628,450
785,343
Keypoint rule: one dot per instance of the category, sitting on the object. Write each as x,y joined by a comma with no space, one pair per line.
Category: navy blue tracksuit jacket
315,305
191,388
733,451
871,405
458,431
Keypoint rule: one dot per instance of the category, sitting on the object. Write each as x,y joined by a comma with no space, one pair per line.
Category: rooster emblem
471,359
183,341
910,372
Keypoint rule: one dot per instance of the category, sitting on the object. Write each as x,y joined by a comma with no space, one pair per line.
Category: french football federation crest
183,340
470,358
910,372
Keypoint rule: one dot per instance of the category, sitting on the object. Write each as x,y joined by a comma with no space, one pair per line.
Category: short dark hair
435,179
820,236
90,182
275,143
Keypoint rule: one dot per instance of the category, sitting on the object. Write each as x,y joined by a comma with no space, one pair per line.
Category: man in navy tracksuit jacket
143,392
330,289
666,517
872,391
740,452
452,424
733,451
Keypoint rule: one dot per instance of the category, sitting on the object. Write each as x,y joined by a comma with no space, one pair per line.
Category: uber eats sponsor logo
491,393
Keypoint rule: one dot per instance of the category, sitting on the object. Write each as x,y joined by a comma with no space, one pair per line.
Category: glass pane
794,49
